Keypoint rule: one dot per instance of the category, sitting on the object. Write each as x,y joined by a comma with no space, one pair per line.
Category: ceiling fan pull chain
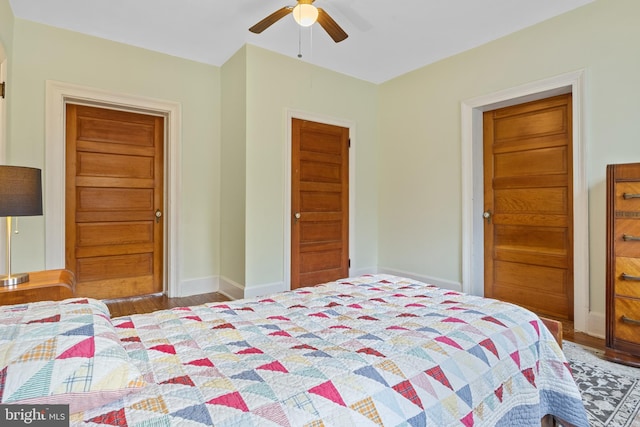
299,41
311,43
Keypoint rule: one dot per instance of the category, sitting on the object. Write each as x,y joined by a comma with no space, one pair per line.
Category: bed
376,350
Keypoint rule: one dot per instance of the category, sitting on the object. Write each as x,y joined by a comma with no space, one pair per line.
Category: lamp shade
20,191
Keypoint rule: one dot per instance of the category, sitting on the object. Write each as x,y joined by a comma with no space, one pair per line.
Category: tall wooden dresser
623,264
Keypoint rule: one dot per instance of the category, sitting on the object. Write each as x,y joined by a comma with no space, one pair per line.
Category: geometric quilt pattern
63,352
376,350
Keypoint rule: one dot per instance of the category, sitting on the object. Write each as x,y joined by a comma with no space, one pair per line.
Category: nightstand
47,285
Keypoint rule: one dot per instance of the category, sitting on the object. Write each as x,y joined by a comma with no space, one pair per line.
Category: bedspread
376,350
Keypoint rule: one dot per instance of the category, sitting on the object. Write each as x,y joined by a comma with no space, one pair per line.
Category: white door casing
472,186
303,115
60,93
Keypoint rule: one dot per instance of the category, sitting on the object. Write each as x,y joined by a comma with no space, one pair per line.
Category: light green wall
235,204
6,51
6,26
420,169
43,53
233,168
408,178
259,88
276,83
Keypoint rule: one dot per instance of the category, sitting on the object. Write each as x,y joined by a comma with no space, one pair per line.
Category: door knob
487,215
158,215
297,216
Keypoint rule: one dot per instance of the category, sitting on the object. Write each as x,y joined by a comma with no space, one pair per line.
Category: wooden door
528,198
114,201
319,203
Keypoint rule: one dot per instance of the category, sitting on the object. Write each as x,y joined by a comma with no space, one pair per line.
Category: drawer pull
625,276
628,238
626,319
631,196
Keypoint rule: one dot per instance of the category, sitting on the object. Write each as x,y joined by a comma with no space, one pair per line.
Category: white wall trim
60,93
3,107
3,149
304,115
472,186
230,289
596,324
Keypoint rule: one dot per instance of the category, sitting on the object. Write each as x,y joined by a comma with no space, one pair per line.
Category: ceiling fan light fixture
305,14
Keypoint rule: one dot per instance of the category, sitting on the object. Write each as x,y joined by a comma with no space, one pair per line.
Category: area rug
610,391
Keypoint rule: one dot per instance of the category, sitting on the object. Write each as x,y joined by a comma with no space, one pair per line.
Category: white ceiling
386,38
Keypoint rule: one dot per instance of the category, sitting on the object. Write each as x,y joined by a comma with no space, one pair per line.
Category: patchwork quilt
64,352
370,351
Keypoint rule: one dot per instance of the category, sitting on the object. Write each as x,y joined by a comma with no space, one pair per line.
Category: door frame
472,185
3,109
58,94
3,145
318,118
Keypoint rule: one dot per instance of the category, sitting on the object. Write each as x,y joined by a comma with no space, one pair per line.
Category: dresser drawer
626,238
627,319
623,264
627,197
627,279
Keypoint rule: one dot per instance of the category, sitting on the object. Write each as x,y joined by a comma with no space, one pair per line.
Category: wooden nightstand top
47,285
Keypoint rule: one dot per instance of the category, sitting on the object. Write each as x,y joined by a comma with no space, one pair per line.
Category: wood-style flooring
581,338
147,304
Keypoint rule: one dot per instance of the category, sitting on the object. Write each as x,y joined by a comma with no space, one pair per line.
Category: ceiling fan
305,14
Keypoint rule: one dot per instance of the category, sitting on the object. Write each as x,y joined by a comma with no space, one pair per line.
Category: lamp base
14,279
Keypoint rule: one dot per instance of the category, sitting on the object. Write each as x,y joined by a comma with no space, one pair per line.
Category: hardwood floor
580,337
146,304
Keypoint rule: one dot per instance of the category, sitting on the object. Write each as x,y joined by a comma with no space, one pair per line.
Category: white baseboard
198,286
446,284
596,324
230,289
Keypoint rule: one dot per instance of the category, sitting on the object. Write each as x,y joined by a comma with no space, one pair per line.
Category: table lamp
20,195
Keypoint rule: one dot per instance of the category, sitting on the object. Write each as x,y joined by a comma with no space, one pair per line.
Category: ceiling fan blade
271,19
331,27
